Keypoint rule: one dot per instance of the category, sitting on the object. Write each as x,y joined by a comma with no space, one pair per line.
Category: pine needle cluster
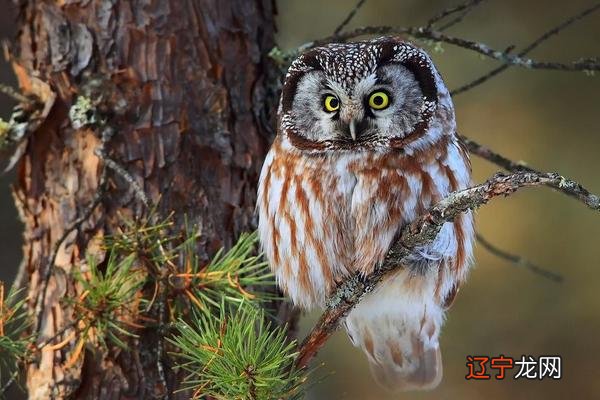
147,238
13,324
232,277
226,345
110,302
236,354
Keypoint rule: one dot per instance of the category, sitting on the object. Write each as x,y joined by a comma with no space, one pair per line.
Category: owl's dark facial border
290,85
392,51
418,65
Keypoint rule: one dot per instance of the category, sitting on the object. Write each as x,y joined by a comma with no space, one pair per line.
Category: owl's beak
352,128
352,124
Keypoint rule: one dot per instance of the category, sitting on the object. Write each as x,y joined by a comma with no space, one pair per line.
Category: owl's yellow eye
331,103
379,100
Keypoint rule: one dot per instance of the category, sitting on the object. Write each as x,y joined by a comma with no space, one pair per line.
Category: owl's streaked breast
322,216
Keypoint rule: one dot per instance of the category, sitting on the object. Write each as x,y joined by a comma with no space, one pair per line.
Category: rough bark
184,84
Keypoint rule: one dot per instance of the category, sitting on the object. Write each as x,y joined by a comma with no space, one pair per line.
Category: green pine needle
110,303
234,276
146,238
237,355
13,323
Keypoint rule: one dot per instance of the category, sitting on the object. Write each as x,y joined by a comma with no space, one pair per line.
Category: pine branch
421,231
235,354
109,306
235,276
225,345
146,237
14,345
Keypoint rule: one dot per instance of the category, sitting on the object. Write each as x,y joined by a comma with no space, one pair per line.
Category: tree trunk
184,84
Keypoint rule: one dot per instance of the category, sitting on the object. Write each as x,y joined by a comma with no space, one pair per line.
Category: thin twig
518,260
122,172
589,64
362,31
420,232
12,92
566,186
8,384
455,21
548,34
349,17
47,341
496,158
466,7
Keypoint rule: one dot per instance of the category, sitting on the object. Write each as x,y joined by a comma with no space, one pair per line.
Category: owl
366,143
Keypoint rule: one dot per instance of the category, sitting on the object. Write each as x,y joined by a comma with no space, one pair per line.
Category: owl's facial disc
373,95
383,103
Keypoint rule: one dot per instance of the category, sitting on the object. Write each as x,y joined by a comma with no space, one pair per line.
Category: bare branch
349,17
133,184
558,28
455,21
493,157
420,232
589,64
424,229
518,260
9,383
548,34
567,186
466,8
14,94
343,37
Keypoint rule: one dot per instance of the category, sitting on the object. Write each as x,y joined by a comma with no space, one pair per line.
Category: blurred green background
548,119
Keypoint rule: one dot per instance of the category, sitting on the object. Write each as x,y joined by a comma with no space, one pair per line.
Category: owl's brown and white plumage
366,143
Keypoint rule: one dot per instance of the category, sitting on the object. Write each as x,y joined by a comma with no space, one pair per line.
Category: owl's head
376,94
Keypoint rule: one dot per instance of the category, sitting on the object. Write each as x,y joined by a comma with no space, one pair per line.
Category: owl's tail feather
397,326
422,372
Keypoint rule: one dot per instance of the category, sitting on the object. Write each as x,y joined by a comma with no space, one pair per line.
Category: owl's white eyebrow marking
364,86
326,85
